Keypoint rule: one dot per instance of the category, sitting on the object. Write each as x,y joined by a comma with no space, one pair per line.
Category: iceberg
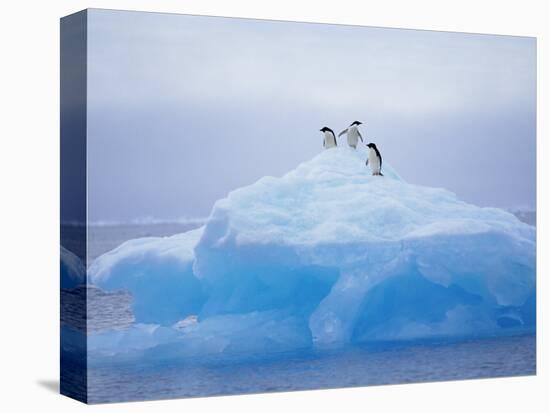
72,270
329,256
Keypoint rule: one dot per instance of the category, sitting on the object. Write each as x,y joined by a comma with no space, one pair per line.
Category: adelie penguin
329,140
375,160
353,134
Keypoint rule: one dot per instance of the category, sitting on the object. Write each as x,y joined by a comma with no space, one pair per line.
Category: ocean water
350,367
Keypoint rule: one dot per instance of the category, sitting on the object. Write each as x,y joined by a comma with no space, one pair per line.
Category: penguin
375,160
330,139
353,134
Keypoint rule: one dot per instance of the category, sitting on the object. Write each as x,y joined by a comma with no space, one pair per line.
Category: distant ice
527,215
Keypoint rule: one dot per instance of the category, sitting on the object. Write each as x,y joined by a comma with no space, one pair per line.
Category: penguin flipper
341,133
360,137
367,163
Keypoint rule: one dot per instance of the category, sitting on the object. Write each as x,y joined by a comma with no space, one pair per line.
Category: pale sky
183,109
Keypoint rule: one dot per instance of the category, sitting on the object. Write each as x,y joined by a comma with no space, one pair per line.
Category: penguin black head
326,129
371,145
356,123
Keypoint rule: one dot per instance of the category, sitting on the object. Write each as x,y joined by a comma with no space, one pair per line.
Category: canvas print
255,206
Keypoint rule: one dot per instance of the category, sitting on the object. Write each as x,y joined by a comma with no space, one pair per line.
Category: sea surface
351,367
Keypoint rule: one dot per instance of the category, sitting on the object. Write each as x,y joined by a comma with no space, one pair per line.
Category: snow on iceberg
328,255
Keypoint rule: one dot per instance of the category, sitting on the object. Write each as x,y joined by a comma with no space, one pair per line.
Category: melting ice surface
325,256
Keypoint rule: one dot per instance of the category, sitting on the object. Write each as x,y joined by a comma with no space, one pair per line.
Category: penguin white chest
374,161
353,136
330,141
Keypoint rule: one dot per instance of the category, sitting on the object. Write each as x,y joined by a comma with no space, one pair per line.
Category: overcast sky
183,109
